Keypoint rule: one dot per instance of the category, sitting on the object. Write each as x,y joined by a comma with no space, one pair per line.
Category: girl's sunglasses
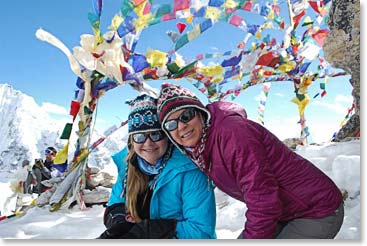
155,136
184,117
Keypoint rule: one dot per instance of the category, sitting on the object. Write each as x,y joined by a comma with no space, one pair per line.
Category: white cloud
99,120
343,98
321,131
54,109
336,107
279,94
284,127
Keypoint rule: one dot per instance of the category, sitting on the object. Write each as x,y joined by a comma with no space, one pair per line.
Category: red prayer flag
320,36
181,27
268,59
281,24
235,20
297,18
138,2
74,108
181,4
169,16
147,9
276,9
247,6
315,6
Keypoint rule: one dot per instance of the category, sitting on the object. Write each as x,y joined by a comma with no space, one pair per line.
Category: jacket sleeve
198,208
119,160
248,160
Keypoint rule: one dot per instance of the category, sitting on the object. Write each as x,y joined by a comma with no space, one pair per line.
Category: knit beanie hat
25,163
143,114
174,97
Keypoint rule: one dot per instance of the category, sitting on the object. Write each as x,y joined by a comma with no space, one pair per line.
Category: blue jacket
182,192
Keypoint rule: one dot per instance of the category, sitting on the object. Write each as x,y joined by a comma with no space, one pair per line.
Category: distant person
57,170
20,176
285,194
159,192
50,154
39,173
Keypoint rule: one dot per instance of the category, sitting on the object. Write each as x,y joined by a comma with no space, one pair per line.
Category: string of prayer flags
262,102
103,62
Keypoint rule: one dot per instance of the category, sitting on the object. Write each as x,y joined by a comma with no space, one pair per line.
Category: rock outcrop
342,50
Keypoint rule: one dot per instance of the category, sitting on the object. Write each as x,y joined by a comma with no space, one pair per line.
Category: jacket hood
222,110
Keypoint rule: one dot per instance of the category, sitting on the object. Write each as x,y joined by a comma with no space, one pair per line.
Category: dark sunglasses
48,152
155,136
184,117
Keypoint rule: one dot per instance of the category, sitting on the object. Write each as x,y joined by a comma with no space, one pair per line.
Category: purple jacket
249,163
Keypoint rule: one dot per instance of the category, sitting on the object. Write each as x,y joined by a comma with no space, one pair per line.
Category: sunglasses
184,117
48,152
155,136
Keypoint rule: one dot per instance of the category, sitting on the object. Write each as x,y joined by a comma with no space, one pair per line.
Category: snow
341,161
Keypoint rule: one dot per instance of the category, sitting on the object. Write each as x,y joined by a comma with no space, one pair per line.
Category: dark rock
342,50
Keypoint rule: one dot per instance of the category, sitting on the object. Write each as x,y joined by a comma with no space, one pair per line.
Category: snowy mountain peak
25,130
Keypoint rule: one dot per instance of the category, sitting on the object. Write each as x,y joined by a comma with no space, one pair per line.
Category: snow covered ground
340,161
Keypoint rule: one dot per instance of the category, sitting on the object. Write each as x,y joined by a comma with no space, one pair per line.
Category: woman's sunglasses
155,136
184,117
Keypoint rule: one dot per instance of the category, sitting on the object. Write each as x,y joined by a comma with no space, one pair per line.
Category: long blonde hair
137,182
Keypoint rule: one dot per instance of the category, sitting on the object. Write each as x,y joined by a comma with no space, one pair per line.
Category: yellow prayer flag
212,13
267,25
142,22
193,33
218,79
258,35
83,154
286,67
308,20
307,81
326,79
230,4
301,104
62,155
253,46
212,70
271,14
116,22
189,19
140,8
156,58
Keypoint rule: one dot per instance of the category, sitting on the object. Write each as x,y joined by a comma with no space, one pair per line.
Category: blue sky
42,71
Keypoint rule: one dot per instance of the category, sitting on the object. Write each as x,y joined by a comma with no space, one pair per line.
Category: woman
286,195
154,196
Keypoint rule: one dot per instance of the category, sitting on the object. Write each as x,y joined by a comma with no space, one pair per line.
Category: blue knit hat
143,114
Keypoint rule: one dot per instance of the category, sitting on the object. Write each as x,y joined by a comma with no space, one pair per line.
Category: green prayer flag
87,110
173,68
126,8
186,68
163,9
67,131
182,41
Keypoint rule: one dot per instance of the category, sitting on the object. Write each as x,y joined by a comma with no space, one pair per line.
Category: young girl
286,195
159,192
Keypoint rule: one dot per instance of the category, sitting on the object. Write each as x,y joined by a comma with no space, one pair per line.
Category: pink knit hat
173,98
